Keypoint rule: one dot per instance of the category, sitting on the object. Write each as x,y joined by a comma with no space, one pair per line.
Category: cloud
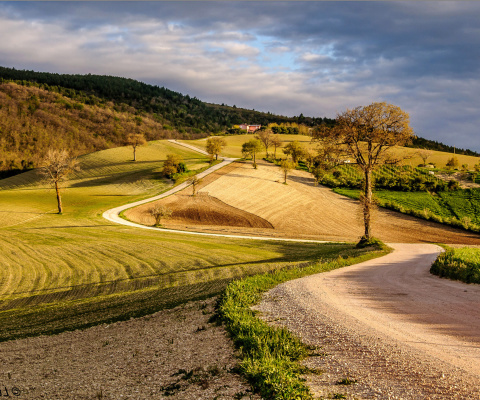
315,58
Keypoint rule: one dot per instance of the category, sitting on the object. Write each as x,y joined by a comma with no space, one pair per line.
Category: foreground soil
173,354
388,325
259,204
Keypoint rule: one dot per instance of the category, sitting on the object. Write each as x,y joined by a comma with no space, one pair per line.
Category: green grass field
75,270
460,208
458,263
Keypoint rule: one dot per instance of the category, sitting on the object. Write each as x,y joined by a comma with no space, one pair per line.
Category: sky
289,58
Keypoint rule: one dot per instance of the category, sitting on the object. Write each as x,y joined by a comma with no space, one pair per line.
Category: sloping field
301,209
234,149
61,272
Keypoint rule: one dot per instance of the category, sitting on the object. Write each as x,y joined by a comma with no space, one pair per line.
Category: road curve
391,302
113,215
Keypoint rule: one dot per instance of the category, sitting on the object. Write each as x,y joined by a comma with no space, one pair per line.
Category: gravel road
400,332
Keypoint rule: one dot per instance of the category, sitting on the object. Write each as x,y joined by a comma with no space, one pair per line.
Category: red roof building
250,128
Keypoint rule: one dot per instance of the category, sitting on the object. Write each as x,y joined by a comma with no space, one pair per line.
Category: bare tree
265,136
194,181
56,166
276,142
286,166
160,212
215,145
135,140
425,154
366,133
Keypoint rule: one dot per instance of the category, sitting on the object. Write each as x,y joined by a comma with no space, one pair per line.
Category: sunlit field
74,270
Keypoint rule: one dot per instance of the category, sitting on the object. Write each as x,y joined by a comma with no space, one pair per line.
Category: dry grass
301,209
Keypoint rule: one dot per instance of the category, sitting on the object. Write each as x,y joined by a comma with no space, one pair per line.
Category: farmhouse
250,128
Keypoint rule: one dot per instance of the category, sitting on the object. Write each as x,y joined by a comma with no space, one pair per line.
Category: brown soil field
253,201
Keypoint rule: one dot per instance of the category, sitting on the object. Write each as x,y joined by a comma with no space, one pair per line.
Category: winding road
404,333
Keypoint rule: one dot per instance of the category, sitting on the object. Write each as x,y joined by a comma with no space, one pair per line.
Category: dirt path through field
389,324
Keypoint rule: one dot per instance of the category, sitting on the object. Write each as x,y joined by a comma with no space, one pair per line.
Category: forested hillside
183,112
85,113
32,120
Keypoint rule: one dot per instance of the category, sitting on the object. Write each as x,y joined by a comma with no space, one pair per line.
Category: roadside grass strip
271,355
462,264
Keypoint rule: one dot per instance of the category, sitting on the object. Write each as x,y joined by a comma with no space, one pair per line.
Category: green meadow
69,271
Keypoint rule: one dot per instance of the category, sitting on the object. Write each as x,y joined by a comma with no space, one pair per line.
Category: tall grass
271,355
461,264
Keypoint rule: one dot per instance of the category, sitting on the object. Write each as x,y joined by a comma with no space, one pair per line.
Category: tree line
183,113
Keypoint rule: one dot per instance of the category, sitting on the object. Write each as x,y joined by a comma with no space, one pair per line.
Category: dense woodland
86,113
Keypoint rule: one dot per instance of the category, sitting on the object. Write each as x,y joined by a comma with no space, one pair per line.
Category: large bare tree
56,166
135,140
366,134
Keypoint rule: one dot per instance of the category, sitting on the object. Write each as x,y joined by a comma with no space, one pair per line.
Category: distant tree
194,181
135,140
425,154
295,150
215,145
276,142
160,212
251,148
173,164
56,166
310,158
365,134
286,166
452,162
265,136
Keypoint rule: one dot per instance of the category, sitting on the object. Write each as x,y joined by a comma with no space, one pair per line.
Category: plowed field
240,199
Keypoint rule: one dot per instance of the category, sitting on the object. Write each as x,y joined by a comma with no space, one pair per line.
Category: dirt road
389,324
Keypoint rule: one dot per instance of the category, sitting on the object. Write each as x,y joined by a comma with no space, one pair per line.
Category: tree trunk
59,199
254,162
134,154
367,203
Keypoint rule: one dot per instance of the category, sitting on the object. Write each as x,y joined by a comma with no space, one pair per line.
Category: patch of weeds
213,370
314,371
172,389
99,395
339,396
201,328
242,395
346,381
198,376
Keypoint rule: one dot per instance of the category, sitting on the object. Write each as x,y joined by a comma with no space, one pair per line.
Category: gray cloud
315,58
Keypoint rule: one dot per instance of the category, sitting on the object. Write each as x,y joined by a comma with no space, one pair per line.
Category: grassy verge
461,264
270,355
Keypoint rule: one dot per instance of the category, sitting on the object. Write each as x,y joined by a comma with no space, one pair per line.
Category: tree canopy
365,134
